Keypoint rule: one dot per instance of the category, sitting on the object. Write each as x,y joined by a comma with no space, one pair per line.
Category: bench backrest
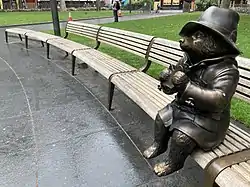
130,41
243,88
82,29
126,40
165,52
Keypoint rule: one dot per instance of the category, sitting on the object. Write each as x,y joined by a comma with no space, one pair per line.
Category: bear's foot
154,150
166,168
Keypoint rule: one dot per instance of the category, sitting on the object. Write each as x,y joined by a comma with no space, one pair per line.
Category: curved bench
229,163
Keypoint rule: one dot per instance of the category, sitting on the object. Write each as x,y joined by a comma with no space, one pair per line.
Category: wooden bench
66,45
29,34
228,164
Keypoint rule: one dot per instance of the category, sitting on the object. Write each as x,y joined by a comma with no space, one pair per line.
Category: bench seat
143,90
104,64
18,30
67,45
40,36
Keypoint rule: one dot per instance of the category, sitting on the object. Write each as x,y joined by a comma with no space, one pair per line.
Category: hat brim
193,26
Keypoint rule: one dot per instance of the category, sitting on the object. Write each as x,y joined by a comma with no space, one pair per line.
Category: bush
202,5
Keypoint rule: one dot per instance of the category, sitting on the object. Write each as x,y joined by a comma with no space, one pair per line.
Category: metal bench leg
111,93
73,64
47,50
6,37
20,37
42,43
26,42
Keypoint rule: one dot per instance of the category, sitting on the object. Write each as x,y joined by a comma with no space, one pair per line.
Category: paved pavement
55,130
49,26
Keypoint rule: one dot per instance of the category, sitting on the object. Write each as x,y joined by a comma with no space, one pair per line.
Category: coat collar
210,61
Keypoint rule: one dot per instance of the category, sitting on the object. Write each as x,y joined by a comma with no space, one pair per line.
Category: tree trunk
225,4
62,5
98,5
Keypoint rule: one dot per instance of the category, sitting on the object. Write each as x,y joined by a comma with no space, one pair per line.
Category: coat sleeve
217,96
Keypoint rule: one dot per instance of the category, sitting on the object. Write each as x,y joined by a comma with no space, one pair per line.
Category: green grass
9,18
168,27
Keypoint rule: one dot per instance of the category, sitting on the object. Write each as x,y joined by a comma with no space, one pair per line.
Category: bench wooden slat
163,56
125,87
111,66
201,157
166,42
147,90
245,165
81,31
244,72
82,28
111,35
242,171
82,24
127,33
243,89
238,145
123,42
125,47
244,82
151,86
240,132
238,138
113,63
75,27
231,178
18,30
41,36
230,146
160,60
224,149
218,152
67,45
167,49
243,62
96,60
142,91
91,36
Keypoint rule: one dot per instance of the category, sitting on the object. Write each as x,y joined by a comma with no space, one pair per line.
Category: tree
63,5
225,4
98,5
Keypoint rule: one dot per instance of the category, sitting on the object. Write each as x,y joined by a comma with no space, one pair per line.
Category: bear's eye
199,34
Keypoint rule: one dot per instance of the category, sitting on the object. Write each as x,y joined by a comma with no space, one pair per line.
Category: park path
49,26
56,131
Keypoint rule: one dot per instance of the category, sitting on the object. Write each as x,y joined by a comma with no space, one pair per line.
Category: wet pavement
55,129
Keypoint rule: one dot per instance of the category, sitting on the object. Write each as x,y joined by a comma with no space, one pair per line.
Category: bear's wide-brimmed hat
221,21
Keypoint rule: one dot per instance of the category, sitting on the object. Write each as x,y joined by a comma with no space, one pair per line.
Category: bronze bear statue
204,81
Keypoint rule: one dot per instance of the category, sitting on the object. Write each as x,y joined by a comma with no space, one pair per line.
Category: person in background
116,8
